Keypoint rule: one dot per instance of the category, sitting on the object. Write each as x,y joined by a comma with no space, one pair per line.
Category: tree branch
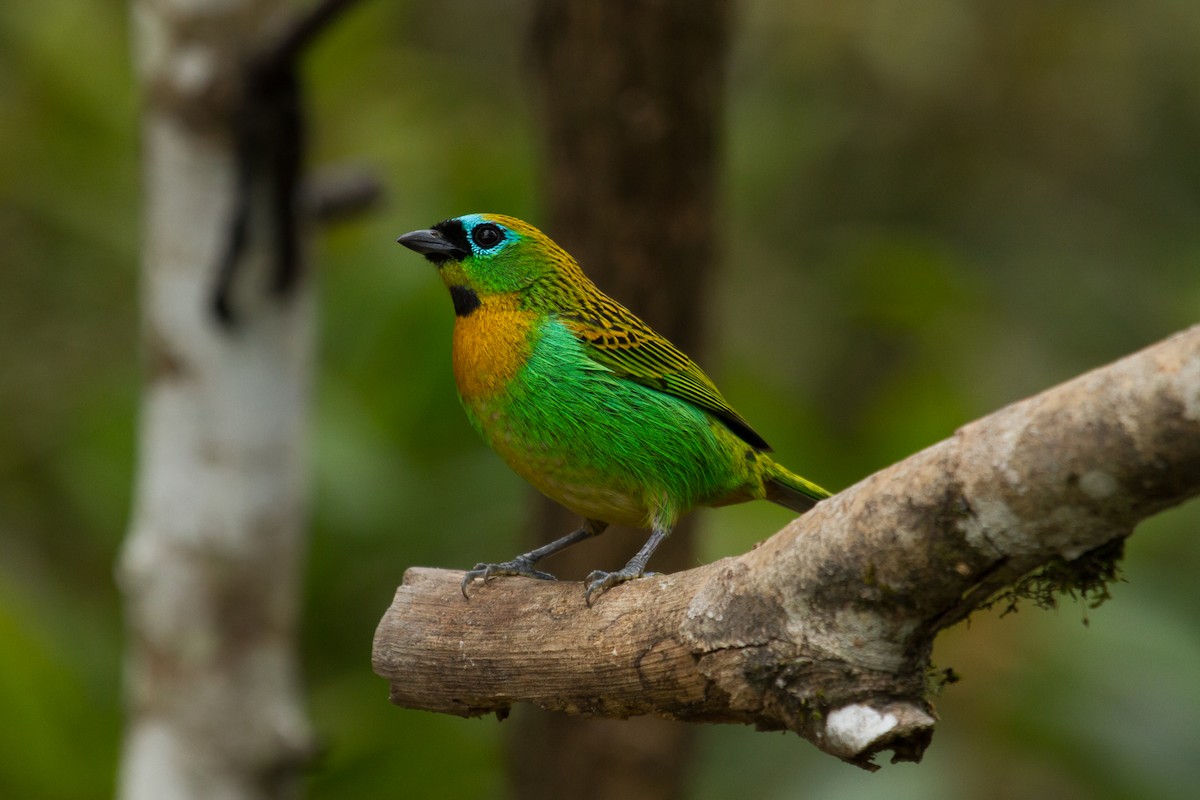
826,628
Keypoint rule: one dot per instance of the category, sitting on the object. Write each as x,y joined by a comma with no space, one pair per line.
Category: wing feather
620,342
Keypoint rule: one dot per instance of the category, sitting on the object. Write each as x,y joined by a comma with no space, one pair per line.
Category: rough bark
211,565
826,628
630,95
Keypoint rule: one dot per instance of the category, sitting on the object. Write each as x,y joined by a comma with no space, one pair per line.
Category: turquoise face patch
471,222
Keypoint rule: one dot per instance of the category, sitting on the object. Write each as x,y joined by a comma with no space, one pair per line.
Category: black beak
433,245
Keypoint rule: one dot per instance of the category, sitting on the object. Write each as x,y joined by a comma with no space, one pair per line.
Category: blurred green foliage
932,210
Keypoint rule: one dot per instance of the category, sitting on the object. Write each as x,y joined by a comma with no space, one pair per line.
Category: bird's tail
790,490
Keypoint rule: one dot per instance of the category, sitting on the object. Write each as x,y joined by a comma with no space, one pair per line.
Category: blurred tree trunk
211,566
631,98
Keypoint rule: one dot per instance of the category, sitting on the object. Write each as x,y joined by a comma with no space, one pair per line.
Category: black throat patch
465,300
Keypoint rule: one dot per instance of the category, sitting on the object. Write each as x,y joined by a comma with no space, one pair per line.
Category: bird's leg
600,581
523,564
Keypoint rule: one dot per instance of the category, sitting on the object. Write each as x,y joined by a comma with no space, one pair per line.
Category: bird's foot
518,566
599,581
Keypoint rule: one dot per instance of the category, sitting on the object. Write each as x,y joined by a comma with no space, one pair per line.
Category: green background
930,210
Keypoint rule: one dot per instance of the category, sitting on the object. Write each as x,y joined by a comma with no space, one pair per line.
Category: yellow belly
586,494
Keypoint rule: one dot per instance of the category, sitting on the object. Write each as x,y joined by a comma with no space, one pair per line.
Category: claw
518,566
601,581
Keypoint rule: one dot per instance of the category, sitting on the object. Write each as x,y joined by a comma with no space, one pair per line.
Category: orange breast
491,344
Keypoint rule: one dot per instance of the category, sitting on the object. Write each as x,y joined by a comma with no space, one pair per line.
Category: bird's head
481,255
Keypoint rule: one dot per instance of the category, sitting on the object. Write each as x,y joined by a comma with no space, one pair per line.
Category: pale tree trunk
212,563
631,99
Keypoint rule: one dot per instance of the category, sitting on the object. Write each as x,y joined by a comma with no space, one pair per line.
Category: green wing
617,340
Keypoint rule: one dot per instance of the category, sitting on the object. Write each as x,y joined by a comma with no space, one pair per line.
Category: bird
584,400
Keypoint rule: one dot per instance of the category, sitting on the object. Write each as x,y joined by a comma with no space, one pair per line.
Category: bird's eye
486,236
